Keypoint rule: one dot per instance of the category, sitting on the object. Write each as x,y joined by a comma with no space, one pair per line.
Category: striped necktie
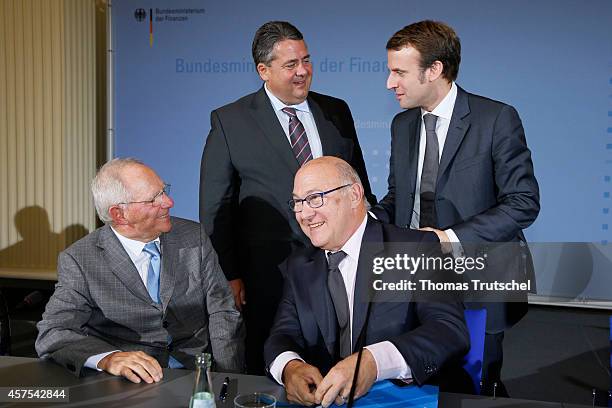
298,137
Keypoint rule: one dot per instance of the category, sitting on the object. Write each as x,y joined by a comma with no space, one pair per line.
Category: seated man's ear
356,194
117,214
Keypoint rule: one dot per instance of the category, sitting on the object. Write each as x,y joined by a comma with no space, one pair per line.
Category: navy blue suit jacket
428,335
486,190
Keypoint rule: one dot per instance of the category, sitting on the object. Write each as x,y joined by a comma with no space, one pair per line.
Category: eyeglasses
314,200
156,200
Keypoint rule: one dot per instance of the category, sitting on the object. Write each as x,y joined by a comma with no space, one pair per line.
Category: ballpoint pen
223,393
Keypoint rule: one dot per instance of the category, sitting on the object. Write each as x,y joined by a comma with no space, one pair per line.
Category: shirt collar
278,105
352,247
133,247
445,107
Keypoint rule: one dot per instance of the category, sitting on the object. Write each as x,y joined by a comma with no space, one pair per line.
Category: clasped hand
305,385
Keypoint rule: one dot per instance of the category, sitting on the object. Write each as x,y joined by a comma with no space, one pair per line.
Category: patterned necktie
154,268
337,290
427,217
298,138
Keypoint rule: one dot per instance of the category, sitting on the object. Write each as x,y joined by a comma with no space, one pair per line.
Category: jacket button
165,324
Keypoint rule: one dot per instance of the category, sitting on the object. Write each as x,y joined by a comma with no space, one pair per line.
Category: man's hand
447,248
132,365
336,385
300,381
237,286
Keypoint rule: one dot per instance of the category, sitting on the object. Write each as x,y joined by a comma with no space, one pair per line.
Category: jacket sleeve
518,198
286,333
62,333
219,190
442,336
225,327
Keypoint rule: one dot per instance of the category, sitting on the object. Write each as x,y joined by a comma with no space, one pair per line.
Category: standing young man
459,165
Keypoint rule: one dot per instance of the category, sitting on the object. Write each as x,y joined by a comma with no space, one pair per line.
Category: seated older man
144,291
321,316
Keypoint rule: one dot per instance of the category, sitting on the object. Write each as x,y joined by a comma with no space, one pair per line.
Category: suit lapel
314,277
371,245
457,129
121,265
331,140
407,139
168,271
271,128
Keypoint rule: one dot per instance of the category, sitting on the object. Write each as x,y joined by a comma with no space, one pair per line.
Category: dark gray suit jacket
247,172
486,190
100,303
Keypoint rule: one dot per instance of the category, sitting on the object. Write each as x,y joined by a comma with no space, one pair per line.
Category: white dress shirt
444,112
141,261
389,361
304,115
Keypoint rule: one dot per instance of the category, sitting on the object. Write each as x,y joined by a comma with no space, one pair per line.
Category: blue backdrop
552,60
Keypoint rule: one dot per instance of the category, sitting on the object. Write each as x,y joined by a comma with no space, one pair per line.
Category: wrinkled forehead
287,49
141,179
315,178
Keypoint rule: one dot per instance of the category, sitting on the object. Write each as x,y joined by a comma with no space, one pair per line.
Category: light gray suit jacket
101,304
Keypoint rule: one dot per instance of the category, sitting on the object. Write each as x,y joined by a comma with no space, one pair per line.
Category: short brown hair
435,41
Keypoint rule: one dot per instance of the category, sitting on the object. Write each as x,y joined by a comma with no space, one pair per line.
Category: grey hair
108,188
348,175
268,35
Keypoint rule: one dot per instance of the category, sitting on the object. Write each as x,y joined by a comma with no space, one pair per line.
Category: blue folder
385,394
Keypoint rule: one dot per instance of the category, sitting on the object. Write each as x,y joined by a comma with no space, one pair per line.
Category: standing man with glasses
254,148
460,167
143,292
313,346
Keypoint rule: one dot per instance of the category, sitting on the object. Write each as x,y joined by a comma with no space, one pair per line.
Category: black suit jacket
486,190
428,334
246,178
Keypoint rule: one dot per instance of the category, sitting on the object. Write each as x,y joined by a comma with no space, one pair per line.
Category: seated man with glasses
324,317
143,292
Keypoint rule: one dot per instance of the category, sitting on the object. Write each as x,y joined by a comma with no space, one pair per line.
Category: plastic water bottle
202,396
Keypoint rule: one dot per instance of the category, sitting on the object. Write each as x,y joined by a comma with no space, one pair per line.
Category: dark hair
268,35
435,41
